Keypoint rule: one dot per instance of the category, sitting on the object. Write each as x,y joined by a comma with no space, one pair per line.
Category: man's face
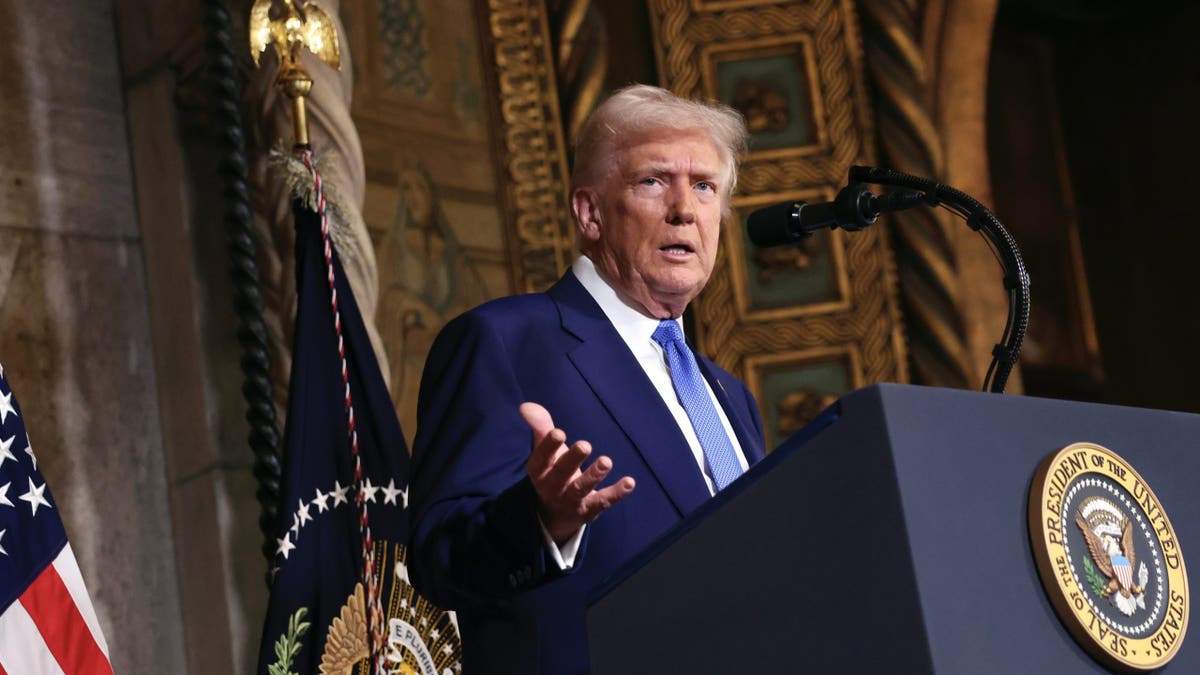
653,224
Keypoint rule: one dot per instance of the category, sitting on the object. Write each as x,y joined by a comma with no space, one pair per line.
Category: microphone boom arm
980,219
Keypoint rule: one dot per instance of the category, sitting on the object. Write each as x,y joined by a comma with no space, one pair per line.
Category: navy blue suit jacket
476,544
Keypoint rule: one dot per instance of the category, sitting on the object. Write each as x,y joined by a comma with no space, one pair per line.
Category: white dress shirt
636,330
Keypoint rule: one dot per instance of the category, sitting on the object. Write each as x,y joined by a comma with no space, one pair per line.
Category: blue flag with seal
340,600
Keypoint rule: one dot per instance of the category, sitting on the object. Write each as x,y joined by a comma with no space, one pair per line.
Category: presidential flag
344,495
47,624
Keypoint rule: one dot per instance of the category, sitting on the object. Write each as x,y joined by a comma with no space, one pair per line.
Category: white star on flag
339,493
390,492
5,451
435,634
320,500
1,542
29,451
285,546
4,494
6,407
34,497
447,649
302,511
368,491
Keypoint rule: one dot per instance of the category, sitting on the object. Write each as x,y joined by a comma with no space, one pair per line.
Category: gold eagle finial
300,25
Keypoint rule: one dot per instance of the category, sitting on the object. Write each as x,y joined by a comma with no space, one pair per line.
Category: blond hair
640,108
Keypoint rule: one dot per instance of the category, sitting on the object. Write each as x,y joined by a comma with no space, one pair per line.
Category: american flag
47,623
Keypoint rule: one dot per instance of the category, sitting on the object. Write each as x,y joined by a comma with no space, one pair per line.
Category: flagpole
304,25
296,85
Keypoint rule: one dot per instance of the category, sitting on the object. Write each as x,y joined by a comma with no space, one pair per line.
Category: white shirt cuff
563,556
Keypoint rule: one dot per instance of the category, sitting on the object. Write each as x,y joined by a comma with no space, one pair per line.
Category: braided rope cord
375,607
242,247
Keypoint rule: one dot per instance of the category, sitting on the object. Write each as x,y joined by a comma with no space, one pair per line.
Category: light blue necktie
689,386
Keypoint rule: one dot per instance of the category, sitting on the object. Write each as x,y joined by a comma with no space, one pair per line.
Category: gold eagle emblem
304,25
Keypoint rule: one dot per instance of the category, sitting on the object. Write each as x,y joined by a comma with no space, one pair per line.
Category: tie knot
667,332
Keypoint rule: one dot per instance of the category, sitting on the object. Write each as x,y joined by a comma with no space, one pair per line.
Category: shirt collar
634,327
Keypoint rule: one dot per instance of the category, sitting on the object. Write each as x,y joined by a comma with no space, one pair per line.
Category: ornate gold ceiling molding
533,163
857,316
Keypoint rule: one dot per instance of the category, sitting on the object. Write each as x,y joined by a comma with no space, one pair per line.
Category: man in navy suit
511,525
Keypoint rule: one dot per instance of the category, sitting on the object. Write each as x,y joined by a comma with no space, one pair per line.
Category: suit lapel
612,373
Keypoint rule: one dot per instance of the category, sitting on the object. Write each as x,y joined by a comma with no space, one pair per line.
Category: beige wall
74,337
207,462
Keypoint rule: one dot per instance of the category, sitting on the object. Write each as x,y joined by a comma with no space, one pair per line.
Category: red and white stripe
374,605
52,629
1124,573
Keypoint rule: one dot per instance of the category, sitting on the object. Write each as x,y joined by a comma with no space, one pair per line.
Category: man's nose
681,209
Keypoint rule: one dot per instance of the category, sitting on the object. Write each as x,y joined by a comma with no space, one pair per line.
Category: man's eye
649,181
705,185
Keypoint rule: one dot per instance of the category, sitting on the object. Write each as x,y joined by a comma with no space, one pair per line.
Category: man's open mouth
676,249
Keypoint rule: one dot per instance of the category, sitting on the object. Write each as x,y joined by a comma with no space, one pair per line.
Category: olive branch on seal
1094,579
289,645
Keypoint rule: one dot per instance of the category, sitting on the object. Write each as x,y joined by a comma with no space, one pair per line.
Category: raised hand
567,496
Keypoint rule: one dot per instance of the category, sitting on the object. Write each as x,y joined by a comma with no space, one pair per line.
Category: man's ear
585,204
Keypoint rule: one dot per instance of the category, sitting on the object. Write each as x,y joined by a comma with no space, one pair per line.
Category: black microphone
854,208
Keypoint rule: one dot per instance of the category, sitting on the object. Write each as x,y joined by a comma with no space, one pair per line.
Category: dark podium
888,536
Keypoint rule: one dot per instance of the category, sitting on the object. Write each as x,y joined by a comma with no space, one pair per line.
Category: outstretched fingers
566,467
600,500
567,495
547,451
589,479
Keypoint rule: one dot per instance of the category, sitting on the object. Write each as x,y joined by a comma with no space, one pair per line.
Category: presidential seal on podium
1108,557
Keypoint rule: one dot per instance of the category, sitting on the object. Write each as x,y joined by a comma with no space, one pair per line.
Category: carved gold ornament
534,149
303,25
